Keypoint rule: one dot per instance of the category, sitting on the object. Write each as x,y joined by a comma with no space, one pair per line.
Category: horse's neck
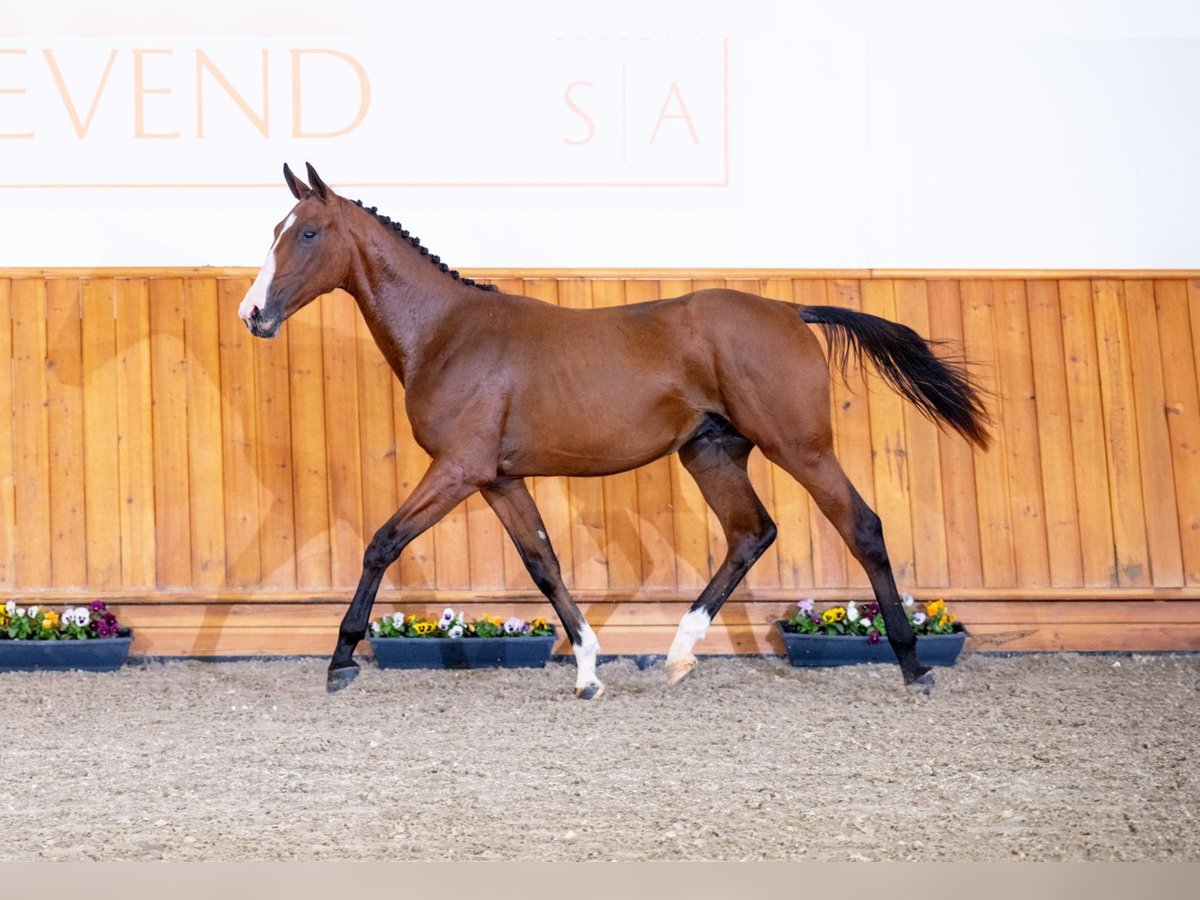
408,305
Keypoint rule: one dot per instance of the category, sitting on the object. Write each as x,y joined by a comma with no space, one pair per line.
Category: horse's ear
318,186
299,189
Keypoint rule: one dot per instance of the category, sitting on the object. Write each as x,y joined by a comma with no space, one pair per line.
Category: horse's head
311,256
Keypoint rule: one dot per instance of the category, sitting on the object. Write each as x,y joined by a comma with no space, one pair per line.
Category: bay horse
499,388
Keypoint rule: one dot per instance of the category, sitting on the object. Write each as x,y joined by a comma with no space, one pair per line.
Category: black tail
941,389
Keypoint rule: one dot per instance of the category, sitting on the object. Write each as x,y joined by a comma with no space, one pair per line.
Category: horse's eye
309,235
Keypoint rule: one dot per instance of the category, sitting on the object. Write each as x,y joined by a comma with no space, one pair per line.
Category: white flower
33,611
455,632
514,626
398,619
82,616
852,613
458,620
10,607
918,618
20,612
908,600
447,617
374,628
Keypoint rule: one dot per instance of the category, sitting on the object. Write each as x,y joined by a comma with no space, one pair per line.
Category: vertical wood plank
31,443
1026,506
852,420
310,469
991,467
516,578
64,398
1054,434
716,536
206,476
792,509
1120,428
1089,458
1154,438
623,539
889,447
343,456
964,561
135,455
689,511
656,523
8,523
418,562
550,494
828,548
1182,404
586,494
377,438
239,430
101,474
168,364
273,447
765,573
923,458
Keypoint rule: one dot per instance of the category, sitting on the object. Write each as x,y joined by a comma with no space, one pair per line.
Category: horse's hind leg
514,506
717,461
820,472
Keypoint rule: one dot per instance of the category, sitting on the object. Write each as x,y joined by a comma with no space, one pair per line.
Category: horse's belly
594,442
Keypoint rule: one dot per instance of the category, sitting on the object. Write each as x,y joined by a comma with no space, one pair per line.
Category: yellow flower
833,615
935,608
50,619
539,622
942,622
493,620
422,627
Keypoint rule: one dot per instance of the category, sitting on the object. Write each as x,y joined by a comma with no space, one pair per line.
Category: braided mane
416,242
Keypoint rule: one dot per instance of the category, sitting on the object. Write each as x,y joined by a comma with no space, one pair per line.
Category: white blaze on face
256,297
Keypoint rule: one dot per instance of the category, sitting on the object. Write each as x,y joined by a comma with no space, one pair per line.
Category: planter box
463,653
839,650
93,655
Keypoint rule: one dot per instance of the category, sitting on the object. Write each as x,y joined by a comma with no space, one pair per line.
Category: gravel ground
1040,757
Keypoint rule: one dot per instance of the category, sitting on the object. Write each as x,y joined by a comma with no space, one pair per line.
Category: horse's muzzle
259,327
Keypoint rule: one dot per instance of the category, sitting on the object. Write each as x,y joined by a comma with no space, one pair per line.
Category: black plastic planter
92,655
841,650
463,653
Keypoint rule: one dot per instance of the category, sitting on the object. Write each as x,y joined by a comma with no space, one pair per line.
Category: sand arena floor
1045,757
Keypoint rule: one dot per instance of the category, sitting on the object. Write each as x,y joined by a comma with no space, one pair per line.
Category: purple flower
805,606
873,637
870,610
815,618
97,606
102,629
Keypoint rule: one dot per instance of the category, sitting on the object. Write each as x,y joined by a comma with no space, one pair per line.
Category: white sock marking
692,627
256,297
585,657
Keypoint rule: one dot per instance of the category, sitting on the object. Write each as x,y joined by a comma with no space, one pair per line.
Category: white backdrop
935,134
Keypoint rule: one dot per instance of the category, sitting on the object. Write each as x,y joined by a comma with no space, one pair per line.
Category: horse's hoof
590,692
923,681
677,669
340,678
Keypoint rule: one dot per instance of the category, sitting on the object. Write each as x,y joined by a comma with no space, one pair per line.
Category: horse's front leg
444,485
516,510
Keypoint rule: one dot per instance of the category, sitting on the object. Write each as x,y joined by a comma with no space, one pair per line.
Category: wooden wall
221,489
